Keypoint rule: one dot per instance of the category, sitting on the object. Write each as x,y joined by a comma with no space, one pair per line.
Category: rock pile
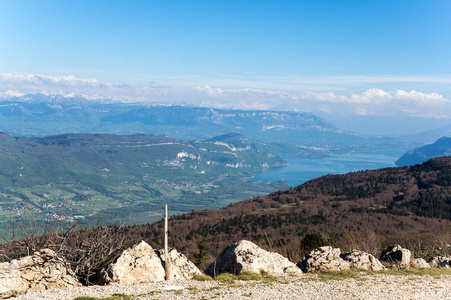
246,256
40,271
362,260
141,263
323,259
441,262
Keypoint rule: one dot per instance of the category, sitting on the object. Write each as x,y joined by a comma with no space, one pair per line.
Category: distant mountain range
406,205
76,175
442,147
285,133
430,136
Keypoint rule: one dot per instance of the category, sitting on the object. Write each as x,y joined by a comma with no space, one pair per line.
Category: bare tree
85,249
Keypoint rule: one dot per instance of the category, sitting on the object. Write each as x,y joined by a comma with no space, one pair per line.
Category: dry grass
361,274
202,277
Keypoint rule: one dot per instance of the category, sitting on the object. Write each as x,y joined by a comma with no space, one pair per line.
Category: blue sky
299,47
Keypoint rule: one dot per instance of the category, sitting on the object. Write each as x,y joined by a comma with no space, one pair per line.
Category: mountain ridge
301,134
441,147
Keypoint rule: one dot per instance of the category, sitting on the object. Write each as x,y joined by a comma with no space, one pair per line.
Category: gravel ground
305,287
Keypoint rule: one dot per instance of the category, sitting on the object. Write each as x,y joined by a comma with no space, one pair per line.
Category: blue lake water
301,170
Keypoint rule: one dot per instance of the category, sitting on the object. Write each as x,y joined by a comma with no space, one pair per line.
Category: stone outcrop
40,271
362,260
324,259
141,263
246,256
441,262
396,256
419,263
181,267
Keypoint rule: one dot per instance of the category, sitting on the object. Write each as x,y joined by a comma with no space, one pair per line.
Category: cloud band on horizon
370,101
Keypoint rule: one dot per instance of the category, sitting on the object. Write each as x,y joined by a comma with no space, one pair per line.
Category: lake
301,170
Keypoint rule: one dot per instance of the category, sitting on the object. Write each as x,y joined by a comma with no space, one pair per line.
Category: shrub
312,241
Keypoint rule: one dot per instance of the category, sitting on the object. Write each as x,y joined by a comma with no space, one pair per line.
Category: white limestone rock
419,263
40,271
324,259
181,267
141,264
362,260
246,256
138,264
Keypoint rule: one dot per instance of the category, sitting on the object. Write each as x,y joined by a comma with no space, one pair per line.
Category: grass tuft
113,297
202,277
430,272
358,274
267,277
339,275
226,278
246,275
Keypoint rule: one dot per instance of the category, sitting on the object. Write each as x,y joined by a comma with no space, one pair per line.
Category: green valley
73,176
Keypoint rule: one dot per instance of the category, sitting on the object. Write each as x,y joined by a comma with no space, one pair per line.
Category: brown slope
366,209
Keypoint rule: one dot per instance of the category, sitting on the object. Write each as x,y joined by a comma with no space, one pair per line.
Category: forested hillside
441,147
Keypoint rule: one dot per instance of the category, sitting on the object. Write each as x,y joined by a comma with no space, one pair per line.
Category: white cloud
373,101
378,102
13,93
310,83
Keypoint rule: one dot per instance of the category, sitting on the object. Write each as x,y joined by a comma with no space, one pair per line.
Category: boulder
181,267
40,271
141,264
246,256
137,264
441,262
362,260
324,259
396,255
419,263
